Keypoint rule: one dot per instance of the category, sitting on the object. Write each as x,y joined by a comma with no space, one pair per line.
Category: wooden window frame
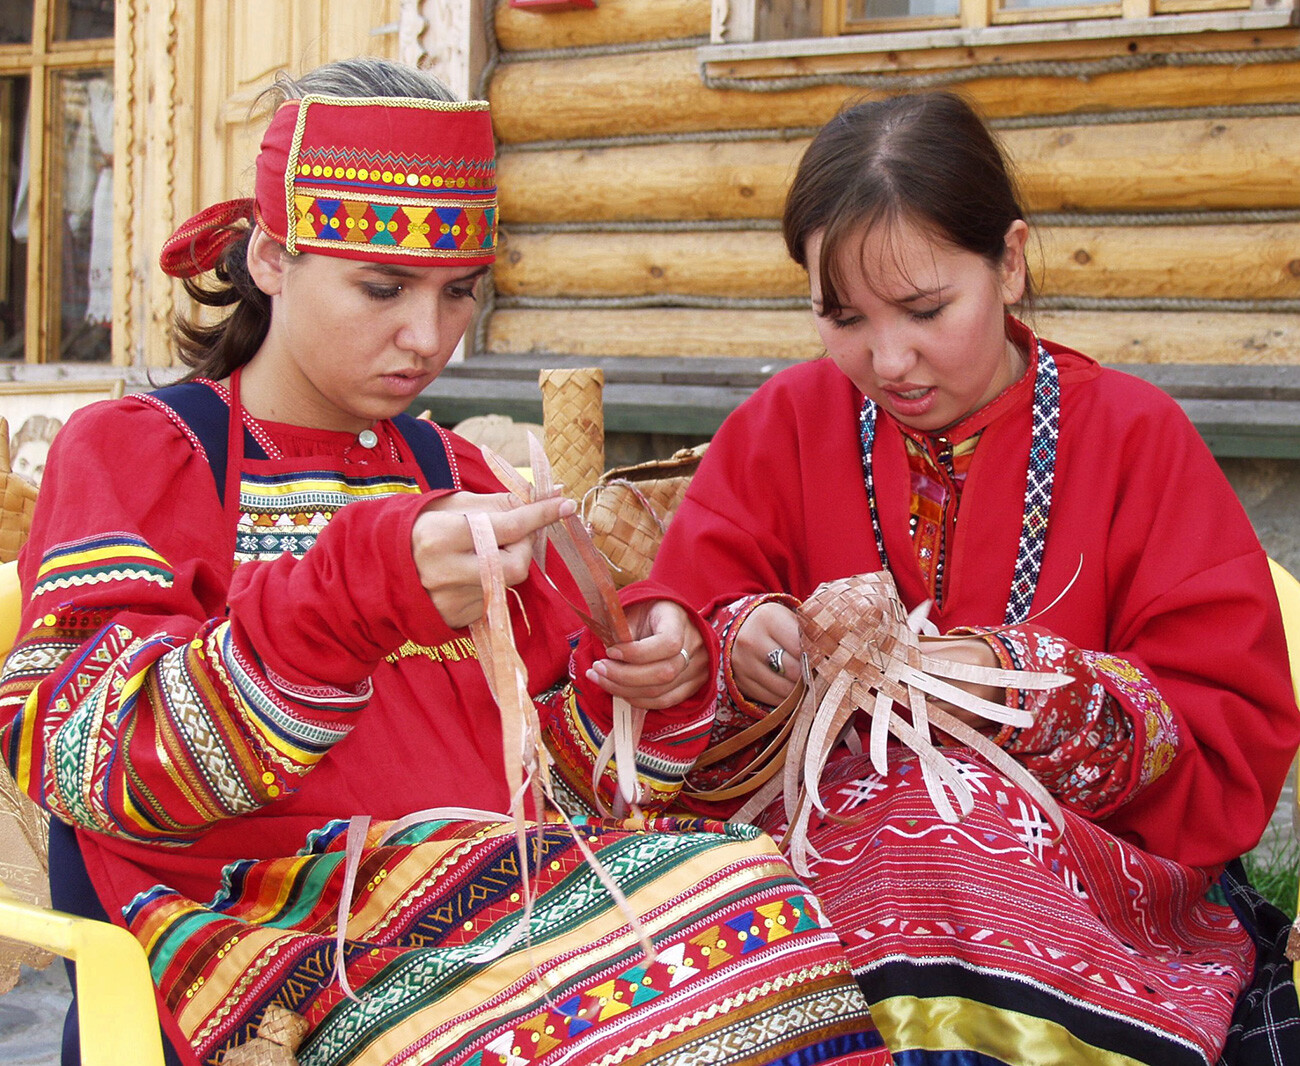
979,13
751,38
43,61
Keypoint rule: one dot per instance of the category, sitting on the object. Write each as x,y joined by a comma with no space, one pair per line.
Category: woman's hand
976,652
664,663
770,626
443,547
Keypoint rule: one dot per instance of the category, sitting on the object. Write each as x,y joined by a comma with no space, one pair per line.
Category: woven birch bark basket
17,502
24,827
629,509
573,417
863,655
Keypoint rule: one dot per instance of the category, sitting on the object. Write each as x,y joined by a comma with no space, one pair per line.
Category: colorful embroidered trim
354,174
320,220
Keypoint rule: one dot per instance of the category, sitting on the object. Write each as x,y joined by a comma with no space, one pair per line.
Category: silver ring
774,660
685,655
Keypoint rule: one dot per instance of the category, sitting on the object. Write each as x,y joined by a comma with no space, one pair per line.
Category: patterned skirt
746,971
991,942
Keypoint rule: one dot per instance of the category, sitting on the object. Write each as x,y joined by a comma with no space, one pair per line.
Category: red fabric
386,135
312,635
197,245
421,171
1173,578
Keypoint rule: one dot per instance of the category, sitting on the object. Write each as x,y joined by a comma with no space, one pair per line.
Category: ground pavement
31,1017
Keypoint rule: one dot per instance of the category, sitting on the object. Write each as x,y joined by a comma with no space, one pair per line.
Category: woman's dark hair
925,158
215,349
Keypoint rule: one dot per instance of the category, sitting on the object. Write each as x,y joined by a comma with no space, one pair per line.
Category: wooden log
1120,337
662,93
1239,262
610,22
736,179
1176,337
655,331
1242,262
744,264
1195,164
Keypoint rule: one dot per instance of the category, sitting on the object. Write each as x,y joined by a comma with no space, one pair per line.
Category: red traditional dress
1081,497
210,729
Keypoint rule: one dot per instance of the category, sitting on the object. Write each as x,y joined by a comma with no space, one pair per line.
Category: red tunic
997,938
209,733
1171,575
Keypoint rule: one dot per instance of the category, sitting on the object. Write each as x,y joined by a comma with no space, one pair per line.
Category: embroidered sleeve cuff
1083,744
727,621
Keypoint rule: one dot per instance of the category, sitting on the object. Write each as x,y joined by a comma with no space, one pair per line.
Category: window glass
16,22
81,217
81,20
870,10
13,217
1031,5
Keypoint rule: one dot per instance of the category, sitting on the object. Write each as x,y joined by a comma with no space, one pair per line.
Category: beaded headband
381,179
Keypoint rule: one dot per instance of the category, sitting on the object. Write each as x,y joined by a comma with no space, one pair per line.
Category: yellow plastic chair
115,997
116,1007
1288,596
11,606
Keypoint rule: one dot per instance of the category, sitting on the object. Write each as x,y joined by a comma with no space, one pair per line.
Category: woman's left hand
664,663
976,652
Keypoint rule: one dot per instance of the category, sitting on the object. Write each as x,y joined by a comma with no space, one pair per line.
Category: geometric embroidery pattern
746,968
322,220
1038,487
281,513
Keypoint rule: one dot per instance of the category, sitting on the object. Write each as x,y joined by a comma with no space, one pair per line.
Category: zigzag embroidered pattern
286,512
348,164
113,557
99,577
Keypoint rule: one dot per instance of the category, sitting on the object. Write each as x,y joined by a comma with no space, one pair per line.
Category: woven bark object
279,1035
629,509
860,655
17,502
573,417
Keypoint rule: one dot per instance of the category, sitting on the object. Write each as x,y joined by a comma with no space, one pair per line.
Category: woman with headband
249,596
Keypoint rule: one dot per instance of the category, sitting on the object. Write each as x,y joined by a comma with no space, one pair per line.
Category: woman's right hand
768,627
444,554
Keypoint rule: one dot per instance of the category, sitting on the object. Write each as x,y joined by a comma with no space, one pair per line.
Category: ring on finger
685,655
774,658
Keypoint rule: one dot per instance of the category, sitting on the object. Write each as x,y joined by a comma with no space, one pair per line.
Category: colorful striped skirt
746,970
993,941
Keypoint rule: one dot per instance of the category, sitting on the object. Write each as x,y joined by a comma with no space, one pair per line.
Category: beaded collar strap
381,179
1038,487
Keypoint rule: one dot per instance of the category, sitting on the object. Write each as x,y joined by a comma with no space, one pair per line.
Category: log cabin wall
641,190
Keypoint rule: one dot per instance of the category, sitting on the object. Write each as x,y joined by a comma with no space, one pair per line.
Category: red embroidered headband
382,179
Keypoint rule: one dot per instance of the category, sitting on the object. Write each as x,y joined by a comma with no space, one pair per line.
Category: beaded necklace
1038,487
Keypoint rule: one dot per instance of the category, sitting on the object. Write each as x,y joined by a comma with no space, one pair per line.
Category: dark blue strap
430,452
208,417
